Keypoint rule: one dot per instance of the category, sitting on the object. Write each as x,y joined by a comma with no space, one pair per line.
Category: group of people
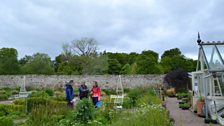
83,92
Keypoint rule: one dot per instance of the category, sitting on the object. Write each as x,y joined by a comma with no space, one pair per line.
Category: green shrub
85,110
181,95
6,121
37,101
107,116
126,90
109,91
39,94
15,92
2,92
46,115
134,95
59,96
19,102
6,110
185,105
49,91
3,97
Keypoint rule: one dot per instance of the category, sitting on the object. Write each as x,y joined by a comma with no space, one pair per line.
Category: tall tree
173,59
8,61
147,63
84,47
114,67
40,63
171,53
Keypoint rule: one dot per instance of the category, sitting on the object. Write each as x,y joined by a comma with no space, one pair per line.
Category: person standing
95,93
83,91
69,93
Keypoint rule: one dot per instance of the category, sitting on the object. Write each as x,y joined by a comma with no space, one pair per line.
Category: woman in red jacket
95,93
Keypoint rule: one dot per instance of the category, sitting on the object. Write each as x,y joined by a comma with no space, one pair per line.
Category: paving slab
184,117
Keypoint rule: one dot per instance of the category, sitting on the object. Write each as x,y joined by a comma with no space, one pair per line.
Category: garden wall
57,81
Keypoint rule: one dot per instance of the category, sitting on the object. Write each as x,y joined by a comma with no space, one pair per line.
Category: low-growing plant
6,121
39,94
3,97
149,115
134,95
36,101
45,115
19,101
185,105
7,110
49,91
59,96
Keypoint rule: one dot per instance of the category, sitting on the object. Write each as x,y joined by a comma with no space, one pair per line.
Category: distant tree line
80,57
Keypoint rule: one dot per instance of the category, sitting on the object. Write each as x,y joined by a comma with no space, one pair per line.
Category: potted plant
200,104
185,106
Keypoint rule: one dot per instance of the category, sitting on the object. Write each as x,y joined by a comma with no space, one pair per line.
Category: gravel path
6,102
184,117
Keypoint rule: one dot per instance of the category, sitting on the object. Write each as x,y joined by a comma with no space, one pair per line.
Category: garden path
184,117
6,102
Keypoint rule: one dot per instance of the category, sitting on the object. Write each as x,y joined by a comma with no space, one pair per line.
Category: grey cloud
33,26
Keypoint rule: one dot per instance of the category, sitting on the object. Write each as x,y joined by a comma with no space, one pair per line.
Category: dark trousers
95,100
70,105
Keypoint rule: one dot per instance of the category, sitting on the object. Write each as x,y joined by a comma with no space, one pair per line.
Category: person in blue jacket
69,93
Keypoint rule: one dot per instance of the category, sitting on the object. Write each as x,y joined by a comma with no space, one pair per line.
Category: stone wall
57,81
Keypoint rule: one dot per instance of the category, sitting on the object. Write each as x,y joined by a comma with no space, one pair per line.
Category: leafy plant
185,105
85,111
6,121
134,95
39,94
3,97
49,91
19,102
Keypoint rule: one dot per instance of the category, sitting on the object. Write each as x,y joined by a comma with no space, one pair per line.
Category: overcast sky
33,26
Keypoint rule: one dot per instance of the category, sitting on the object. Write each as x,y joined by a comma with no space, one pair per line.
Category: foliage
150,115
109,91
178,79
185,105
7,110
19,102
114,67
35,101
147,63
3,97
126,69
134,95
182,95
6,121
8,61
173,59
46,114
39,94
49,91
59,96
85,110
39,63
171,53
97,66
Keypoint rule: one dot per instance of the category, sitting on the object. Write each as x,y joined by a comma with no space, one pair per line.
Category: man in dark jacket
69,93
83,91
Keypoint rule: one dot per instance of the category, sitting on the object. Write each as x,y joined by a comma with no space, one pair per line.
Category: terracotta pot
200,105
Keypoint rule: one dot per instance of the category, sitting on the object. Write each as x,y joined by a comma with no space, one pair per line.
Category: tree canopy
80,57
